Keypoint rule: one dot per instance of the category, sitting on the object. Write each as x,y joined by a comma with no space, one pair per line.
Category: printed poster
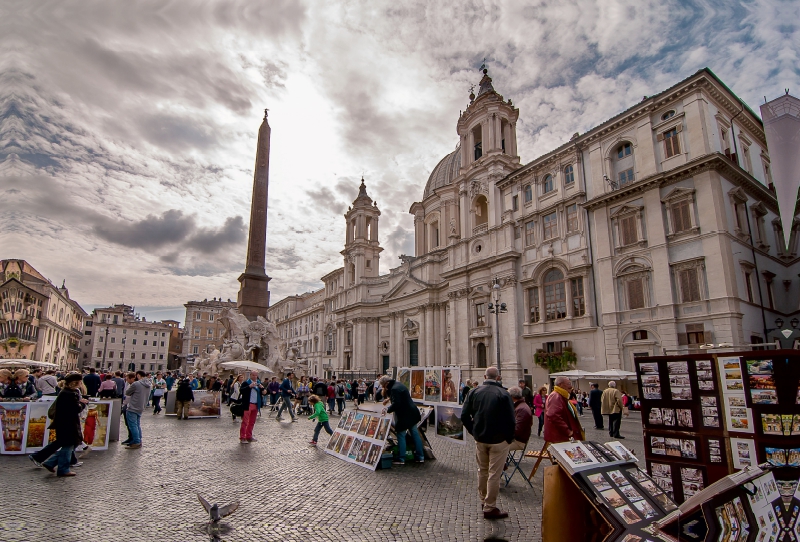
433,385
13,418
417,388
360,438
404,377
448,423
37,433
450,384
206,404
95,424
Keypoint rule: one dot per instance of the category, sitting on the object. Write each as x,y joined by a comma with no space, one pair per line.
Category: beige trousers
491,459
517,445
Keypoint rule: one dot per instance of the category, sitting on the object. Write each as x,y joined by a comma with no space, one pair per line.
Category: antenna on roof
483,66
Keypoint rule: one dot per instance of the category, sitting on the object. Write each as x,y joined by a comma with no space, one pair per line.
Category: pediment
677,193
626,210
406,286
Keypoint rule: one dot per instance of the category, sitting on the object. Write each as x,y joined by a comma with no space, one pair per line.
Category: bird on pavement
216,512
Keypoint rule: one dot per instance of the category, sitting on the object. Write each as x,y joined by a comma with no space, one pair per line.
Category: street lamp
497,308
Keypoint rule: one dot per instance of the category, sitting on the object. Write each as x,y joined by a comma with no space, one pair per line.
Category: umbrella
246,365
574,373
611,374
26,363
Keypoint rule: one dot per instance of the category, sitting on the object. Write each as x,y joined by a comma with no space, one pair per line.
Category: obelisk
253,298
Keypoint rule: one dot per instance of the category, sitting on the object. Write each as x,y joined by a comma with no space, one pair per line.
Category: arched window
623,164
547,184
481,211
555,295
528,193
669,114
569,175
481,351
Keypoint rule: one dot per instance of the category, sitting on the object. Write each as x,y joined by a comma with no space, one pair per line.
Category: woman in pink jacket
538,407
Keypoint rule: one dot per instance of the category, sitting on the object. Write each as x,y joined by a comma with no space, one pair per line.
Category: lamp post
497,308
794,322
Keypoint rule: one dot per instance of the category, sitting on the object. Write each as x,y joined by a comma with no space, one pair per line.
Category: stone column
498,133
513,138
443,332
428,336
507,137
470,148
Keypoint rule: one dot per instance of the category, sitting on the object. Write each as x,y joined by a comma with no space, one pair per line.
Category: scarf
565,394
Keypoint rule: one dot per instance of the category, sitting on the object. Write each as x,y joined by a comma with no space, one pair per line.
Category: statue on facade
244,339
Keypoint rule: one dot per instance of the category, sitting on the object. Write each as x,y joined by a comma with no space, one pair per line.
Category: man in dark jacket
67,424
523,419
287,392
92,382
406,415
595,403
184,396
488,415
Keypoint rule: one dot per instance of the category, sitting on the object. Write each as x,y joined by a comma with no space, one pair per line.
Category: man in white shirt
46,384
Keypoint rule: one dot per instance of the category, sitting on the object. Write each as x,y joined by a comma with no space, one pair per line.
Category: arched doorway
481,355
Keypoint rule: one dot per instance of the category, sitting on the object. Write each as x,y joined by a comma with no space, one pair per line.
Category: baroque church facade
655,232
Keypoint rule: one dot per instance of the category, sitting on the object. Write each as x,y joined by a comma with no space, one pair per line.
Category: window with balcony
623,163
555,295
672,145
533,303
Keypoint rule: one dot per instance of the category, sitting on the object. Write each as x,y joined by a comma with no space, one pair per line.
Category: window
748,285
640,335
689,285
194,349
671,145
627,230
746,164
634,289
569,175
121,355
572,217
211,317
528,193
515,203
197,316
547,184
555,297
100,339
529,233
768,175
197,333
111,354
413,353
668,115
477,135
480,314
578,299
99,353
770,295
113,340
481,355
144,343
679,213
517,232
144,355
695,334
625,177
533,303
723,136
624,150
162,343
349,337
152,356
550,225
434,234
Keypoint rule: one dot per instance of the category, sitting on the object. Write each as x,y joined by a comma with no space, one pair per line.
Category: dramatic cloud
128,129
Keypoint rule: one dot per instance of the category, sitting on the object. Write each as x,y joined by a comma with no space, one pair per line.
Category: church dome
444,172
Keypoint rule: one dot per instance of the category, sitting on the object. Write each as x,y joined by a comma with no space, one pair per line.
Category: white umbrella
574,373
246,365
26,363
611,374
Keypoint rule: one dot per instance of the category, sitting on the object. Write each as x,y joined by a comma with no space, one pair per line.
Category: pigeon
216,512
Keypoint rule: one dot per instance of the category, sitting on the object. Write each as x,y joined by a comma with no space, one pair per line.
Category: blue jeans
401,444
61,458
135,429
331,405
287,404
319,427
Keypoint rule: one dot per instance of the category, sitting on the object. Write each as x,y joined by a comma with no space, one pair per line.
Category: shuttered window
671,145
635,294
627,230
680,217
550,226
690,289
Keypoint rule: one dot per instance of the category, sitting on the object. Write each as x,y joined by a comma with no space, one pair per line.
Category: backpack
339,389
51,412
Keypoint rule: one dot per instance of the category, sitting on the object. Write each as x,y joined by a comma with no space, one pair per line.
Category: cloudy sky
127,128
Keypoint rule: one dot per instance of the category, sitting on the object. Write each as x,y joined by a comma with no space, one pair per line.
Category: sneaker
495,513
133,446
244,441
278,418
78,464
419,461
294,420
66,474
253,439
313,443
398,462
35,462
620,436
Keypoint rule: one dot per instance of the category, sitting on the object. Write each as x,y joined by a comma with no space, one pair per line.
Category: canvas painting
417,388
206,404
450,382
95,424
448,423
404,377
433,385
37,433
13,417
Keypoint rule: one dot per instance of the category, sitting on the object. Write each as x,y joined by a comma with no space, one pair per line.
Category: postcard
668,415
708,401
651,380
704,375
645,509
759,366
655,416
710,411
599,482
631,493
648,368
658,446
688,449
771,424
704,365
681,394
627,514
651,392
776,456
710,421
612,497
650,487
684,417
638,475
734,385
618,478
763,396
677,367
705,385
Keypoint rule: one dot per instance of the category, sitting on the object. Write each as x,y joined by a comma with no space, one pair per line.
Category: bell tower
361,248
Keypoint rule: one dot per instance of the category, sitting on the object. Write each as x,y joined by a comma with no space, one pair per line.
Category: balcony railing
480,228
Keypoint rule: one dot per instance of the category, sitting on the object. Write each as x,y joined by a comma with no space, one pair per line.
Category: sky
128,128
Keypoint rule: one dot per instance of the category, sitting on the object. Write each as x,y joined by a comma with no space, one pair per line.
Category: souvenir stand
708,415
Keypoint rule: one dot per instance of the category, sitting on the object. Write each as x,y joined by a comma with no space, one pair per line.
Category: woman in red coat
539,401
560,416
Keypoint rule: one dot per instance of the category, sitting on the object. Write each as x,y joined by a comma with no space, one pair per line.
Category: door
385,364
481,355
413,353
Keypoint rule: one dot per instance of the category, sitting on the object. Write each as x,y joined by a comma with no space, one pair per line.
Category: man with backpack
341,393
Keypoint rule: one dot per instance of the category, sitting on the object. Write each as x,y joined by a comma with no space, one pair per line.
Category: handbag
237,409
158,392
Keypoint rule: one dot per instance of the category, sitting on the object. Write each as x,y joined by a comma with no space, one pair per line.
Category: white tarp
782,129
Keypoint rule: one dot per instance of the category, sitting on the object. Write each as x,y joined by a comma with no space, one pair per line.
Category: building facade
117,339
175,346
203,331
38,320
656,231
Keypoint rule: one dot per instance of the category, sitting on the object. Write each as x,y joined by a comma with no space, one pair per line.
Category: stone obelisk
253,298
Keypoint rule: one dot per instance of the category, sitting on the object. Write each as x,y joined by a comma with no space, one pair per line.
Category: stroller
304,407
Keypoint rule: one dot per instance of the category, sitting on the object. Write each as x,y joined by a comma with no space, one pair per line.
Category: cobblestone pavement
288,490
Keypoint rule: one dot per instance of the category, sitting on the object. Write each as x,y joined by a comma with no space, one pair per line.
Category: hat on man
72,377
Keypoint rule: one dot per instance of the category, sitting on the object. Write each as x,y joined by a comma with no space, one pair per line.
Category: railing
480,228
21,337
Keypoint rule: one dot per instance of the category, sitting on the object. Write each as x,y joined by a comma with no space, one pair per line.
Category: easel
539,455
567,513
